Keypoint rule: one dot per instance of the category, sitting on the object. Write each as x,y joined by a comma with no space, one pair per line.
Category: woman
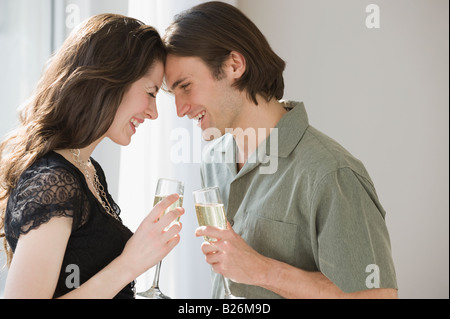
60,223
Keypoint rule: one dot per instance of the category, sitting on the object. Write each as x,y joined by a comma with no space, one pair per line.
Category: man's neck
256,124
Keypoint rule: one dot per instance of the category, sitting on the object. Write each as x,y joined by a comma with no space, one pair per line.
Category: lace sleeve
44,193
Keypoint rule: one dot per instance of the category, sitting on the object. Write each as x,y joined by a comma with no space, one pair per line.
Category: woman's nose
152,111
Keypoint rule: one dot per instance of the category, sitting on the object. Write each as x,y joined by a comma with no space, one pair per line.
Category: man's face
200,96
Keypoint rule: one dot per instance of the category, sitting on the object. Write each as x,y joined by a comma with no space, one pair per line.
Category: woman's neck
85,153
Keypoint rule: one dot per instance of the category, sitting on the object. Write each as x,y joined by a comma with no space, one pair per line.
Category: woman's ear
236,65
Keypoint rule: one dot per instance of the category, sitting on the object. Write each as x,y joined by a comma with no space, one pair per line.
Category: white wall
383,94
22,60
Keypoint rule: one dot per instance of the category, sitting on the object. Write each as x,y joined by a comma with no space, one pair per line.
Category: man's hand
230,256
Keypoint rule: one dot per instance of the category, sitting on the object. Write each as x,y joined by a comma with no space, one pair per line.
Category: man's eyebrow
175,85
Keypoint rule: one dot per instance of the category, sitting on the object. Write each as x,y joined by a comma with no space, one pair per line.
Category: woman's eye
185,86
152,95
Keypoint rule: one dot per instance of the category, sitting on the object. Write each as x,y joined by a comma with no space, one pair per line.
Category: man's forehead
175,68
179,69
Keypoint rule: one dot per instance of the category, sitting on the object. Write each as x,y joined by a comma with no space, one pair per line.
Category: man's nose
182,107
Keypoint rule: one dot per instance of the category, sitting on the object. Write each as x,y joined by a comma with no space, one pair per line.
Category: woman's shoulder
50,182
49,188
52,168
50,179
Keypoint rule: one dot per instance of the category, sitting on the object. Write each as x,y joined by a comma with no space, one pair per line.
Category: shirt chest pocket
271,238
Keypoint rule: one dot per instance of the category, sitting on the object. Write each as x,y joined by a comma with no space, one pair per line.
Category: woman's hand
157,235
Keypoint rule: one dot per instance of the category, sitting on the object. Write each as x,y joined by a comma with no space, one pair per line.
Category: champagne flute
211,212
164,188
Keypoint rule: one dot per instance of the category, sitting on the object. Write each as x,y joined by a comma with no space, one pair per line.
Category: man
310,228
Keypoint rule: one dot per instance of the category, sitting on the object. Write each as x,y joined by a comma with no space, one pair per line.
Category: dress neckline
84,182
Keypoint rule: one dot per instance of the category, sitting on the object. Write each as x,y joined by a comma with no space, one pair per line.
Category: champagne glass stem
156,279
226,287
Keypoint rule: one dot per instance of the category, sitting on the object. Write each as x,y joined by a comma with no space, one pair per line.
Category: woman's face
138,104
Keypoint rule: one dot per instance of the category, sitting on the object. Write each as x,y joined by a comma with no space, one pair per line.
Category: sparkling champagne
178,203
211,215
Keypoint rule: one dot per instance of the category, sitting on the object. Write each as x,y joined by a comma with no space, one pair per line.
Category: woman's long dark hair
78,95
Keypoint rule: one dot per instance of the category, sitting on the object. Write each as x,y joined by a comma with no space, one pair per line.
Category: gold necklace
95,182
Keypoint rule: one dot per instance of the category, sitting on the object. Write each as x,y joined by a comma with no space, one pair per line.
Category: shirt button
232,223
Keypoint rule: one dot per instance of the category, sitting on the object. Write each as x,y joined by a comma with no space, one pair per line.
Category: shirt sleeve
41,195
353,245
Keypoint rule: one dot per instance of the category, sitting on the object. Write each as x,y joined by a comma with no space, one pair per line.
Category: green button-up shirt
316,209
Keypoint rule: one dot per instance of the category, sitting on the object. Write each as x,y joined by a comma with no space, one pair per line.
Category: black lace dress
53,187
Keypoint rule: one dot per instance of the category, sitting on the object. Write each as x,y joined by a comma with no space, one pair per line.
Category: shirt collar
291,129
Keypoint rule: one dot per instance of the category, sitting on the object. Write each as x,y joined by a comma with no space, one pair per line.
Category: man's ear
235,65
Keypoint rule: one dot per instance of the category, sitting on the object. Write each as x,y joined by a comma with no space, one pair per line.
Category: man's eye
152,95
185,86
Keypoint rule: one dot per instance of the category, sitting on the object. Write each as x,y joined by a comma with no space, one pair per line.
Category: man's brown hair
212,30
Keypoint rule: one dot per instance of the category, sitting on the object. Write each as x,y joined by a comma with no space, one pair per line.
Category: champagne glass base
153,293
